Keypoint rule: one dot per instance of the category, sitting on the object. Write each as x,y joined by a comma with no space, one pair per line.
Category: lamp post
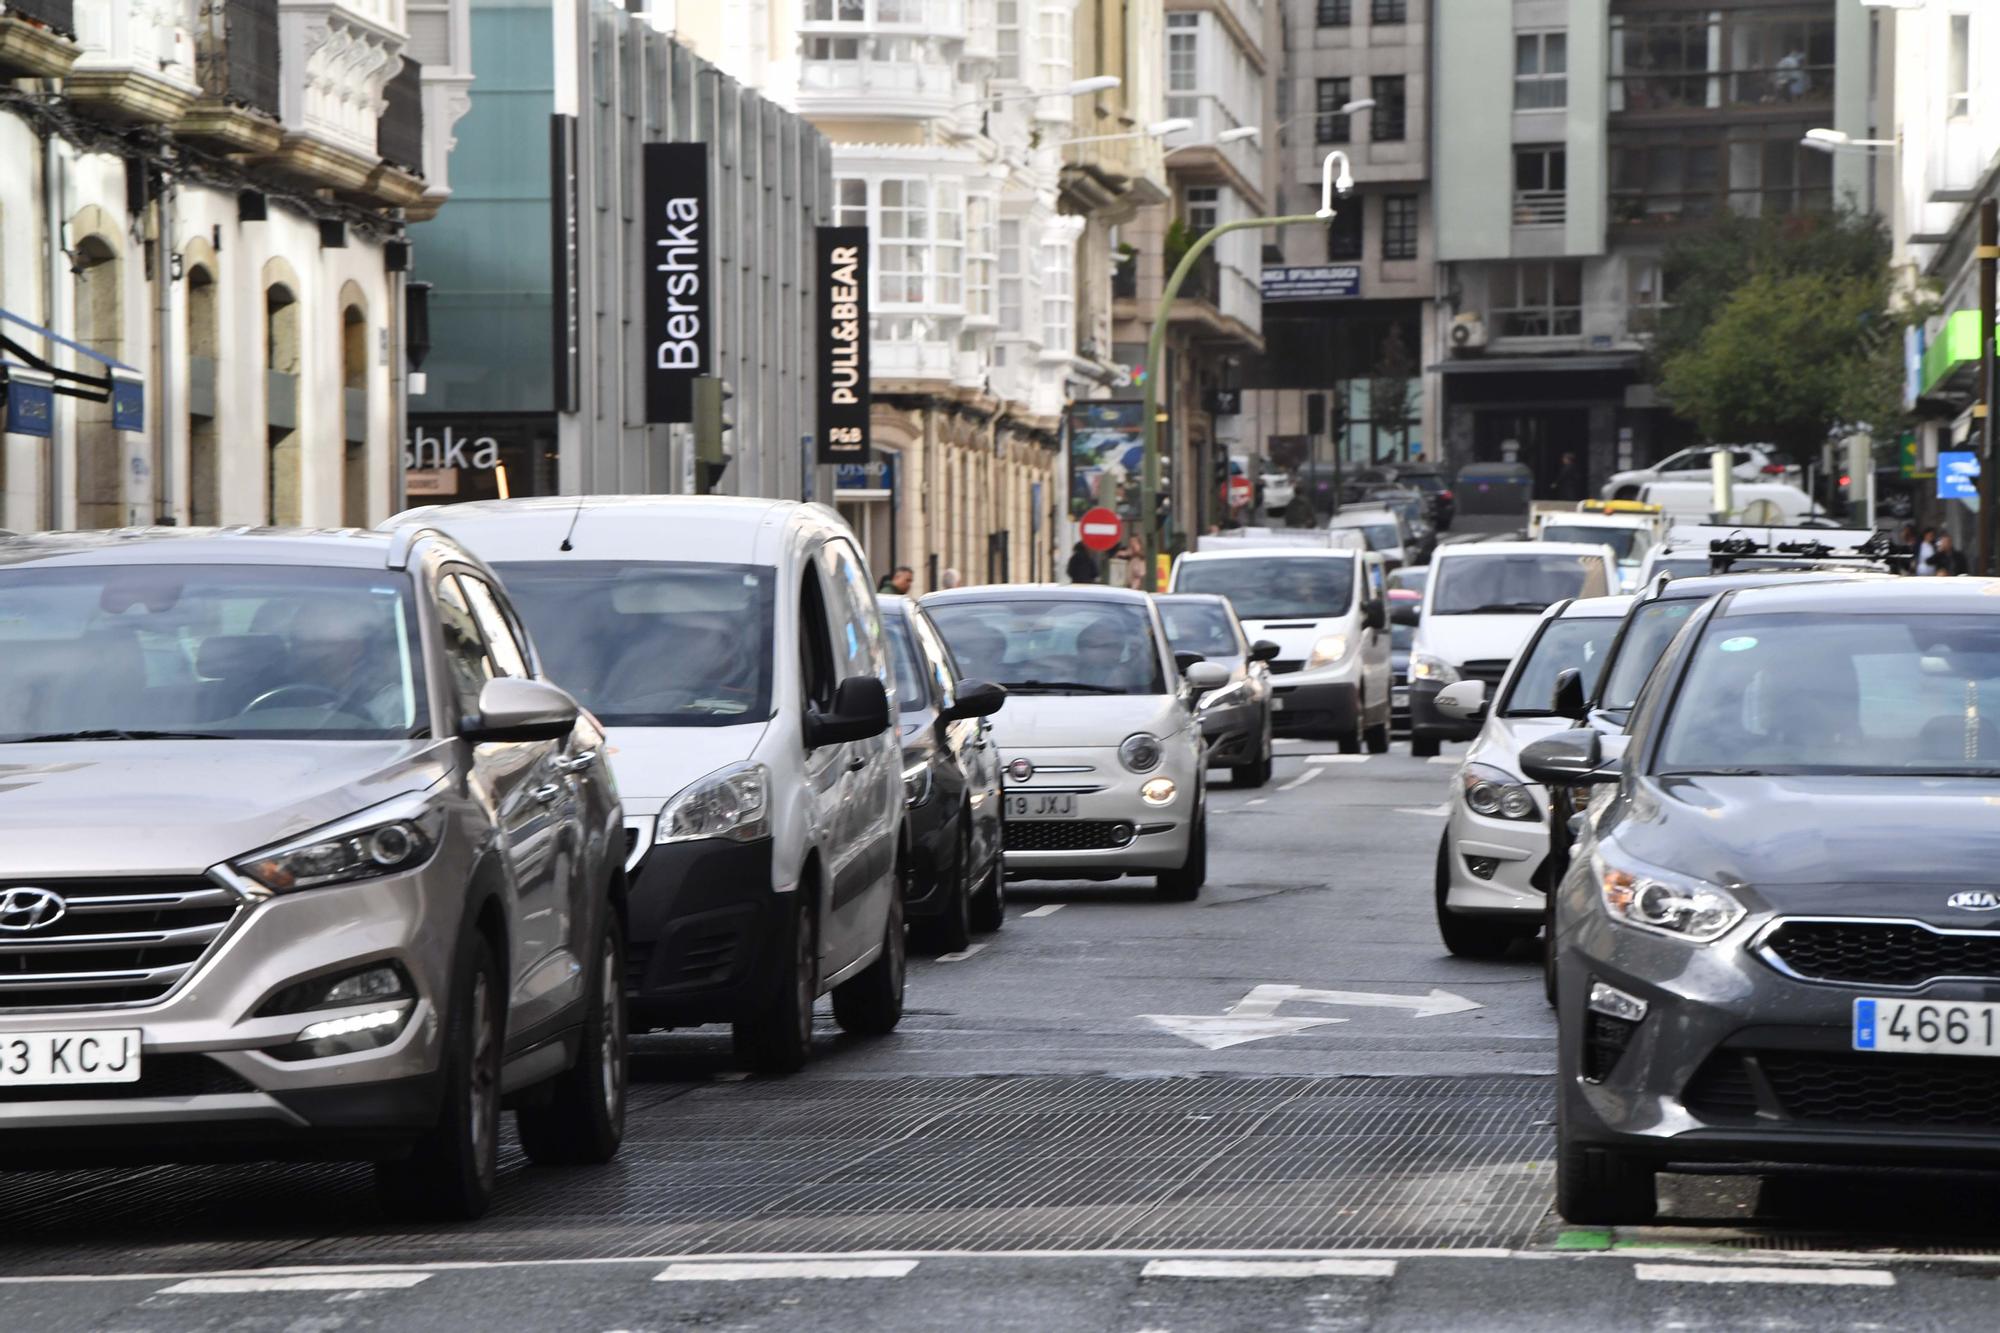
1832,141
1096,83
1237,135
1159,129
1149,485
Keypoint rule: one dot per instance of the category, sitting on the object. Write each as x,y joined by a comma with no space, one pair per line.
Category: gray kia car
303,858
1776,939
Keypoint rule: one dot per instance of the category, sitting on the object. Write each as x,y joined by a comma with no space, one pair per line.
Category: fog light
378,981
353,1024
346,1035
1158,792
1615,1003
1612,1019
1482,867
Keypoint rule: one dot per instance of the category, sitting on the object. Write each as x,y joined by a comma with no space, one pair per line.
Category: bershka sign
426,452
679,255
843,344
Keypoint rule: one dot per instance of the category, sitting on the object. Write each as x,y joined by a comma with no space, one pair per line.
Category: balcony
911,360
399,138
236,62
36,39
848,77
1219,300
137,62
1540,208
441,39
331,94
1240,163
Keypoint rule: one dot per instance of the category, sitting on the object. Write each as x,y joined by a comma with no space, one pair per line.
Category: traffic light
714,420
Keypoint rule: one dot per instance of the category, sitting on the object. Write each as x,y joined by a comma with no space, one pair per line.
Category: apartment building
1630,122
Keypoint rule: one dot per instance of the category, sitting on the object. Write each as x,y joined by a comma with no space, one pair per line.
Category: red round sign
1100,529
1239,490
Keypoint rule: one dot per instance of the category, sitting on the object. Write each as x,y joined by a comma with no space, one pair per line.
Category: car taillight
1844,479
1774,469
1444,495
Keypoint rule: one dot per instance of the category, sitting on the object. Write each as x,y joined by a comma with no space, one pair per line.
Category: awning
32,382
1951,364
1535,365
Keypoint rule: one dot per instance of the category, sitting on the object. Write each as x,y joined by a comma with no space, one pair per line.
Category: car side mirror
1568,700
1464,701
1264,651
860,711
1573,759
1184,659
1205,676
515,708
975,698
1374,615
1406,613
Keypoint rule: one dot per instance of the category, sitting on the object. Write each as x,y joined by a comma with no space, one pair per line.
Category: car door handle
856,764
548,792
576,763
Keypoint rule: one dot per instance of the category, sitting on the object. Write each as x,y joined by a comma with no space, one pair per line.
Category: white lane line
1337,758
1444,759
810,1268
1046,909
1786,1277
964,953
1302,779
231,1286
1257,800
1436,810
1270,1268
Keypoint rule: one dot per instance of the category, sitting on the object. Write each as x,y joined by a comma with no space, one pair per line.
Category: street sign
1100,529
1311,282
1239,491
1958,474
678,255
1223,402
843,344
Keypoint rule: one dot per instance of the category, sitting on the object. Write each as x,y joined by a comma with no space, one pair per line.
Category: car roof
1275,551
1697,587
1037,592
1613,607
1362,514
1214,598
1461,549
352,548
1926,596
711,529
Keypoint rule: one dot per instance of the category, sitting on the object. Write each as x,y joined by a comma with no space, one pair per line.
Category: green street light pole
1149,486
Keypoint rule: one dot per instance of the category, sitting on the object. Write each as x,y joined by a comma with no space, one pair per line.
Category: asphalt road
1280,1107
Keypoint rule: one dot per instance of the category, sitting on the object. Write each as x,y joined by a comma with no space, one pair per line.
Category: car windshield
652,643
223,652
1512,583
1054,646
1902,693
1199,627
1410,507
1580,642
911,696
1413,577
1624,542
1423,481
1275,588
1651,629
1379,536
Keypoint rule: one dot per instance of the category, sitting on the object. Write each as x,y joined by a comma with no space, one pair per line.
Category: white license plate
34,1059
1277,703
1927,1025
1041,805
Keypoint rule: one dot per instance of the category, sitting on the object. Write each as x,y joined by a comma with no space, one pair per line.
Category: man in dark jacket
1082,565
1569,479
1946,559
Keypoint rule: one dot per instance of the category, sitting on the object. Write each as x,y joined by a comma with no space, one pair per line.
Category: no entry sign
1100,529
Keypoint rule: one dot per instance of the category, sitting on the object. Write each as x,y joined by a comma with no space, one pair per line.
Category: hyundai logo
30,909
1020,770
1974,900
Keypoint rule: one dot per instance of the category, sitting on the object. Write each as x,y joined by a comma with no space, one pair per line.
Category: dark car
1414,508
951,784
1402,632
1426,477
1235,719
1775,944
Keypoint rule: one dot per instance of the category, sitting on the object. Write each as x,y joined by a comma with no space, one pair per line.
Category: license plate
1277,703
34,1059
1927,1026
1041,805
1400,694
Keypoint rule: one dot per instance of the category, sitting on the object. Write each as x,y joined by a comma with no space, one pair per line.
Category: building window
1183,64
1007,39
1386,121
902,244
833,48
1331,126
1343,234
1201,208
1399,226
837,11
1661,178
1053,48
1336,13
1389,11
1541,70
917,232
1540,180
1715,58
1539,300
1058,299
949,248
1009,287
979,256
850,202
1958,92
1645,295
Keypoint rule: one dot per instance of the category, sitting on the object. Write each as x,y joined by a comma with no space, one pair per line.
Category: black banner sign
563,228
843,344
679,309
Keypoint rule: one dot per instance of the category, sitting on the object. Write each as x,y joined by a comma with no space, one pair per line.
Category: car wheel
1601,1186
1184,885
582,1122
871,1004
1549,949
1377,739
1423,747
951,930
1467,936
450,1171
1255,773
989,904
777,1039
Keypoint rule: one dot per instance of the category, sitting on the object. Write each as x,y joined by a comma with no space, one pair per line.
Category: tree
1389,390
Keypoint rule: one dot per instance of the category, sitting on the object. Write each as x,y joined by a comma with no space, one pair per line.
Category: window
1540,173
1332,94
1336,13
1389,11
1201,208
1010,278
838,11
1399,226
1054,47
949,248
1183,64
1645,294
1539,300
1007,39
902,254
833,48
464,650
1541,70
1662,178
1343,234
1058,301
1958,91
1749,57
917,231
850,202
979,256
1386,121
508,656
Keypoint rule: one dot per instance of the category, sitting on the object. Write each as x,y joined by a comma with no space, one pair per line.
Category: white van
1482,603
1381,528
1767,503
733,651
1327,610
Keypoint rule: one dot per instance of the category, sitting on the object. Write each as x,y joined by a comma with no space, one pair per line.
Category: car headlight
732,803
1678,905
917,783
1495,794
1425,667
1327,649
1233,693
1140,752
370,852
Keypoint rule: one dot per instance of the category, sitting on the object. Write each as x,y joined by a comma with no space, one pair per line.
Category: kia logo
1974,900
30,909
1020,770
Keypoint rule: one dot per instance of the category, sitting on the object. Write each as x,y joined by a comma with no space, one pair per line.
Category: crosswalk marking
1337,758
801,1269
964,953
1261,1268
1798,1277
230,1286
1046,909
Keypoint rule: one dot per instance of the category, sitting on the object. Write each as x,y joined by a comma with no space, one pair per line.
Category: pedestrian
1082,565
898,581
1299,513
1569,479
1926,548
1135,564
1946,560
950,579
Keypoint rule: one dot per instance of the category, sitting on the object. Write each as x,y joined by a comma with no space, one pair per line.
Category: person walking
1926,548
1569,479
898,581
1946,560
1082,565
949,579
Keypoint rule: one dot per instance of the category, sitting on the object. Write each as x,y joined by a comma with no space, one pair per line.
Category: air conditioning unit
1468,332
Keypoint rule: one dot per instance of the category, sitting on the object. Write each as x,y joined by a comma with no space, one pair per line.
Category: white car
1630,536
1101,754
1490,886
1757,502
1381,528
1752,462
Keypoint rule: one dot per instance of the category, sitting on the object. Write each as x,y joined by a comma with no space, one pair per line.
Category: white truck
1631,530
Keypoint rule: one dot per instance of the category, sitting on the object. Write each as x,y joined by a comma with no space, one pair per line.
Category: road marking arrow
1255,1017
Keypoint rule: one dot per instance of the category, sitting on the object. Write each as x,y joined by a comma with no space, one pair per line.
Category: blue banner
128,404
1958,474
878,474
31,404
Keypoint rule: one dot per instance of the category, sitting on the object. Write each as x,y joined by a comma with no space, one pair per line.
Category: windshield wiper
1717,773
116,734
1058,687
1496,609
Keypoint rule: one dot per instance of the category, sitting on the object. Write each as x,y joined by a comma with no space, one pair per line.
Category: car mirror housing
1405,613
860,711
1264,651
1374,615
1184,659
1204,676
1575,759
515,708
1463,700
1568,700
975,698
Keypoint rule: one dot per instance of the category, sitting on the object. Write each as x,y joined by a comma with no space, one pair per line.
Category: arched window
354,417
204,444
100,471
283,500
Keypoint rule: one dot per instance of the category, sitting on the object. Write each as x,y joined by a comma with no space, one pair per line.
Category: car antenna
572,526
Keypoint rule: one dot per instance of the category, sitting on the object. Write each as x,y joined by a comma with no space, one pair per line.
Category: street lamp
1157,130
1149,485
1355,107
1237,135
1832,141
1096,83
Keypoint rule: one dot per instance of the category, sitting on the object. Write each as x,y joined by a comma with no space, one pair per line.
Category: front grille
159,1076
1488,669
1721,1089
1907,1090
1881,953
119,941
1283,665
1067,835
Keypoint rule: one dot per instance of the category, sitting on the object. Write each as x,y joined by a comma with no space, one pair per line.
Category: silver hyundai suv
303,856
